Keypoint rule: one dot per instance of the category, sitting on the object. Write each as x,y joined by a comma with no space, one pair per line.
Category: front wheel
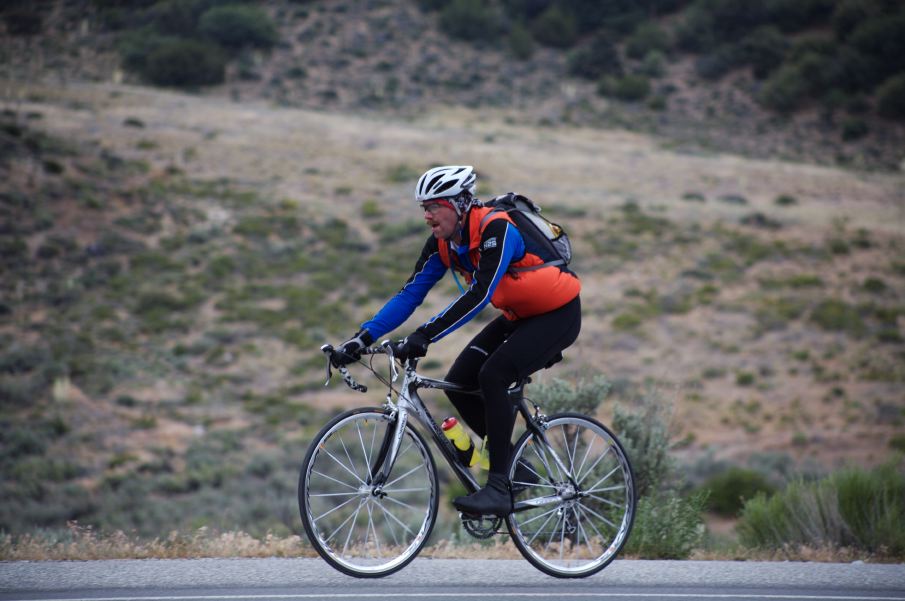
574,512
362,528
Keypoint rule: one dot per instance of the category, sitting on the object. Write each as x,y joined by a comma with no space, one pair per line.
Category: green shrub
646,38
175,17
838,316
795,15
744,378
667,526
583,396
883,39
470,20
875,285
854,128
597,59
891,98
630,88
654,65
764,49
185,63
521,44
22,21
785,200
849,14
785,90
645,436
696,31
235,26
850,508
714,65
729,490
555,27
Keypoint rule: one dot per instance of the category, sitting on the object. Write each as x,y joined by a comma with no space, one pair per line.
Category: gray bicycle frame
409,401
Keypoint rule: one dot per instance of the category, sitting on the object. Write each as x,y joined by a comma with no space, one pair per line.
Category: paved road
431,579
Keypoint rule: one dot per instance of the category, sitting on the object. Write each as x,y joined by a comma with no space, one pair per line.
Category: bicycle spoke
568,539
393,517
340,506
374,530
607,501
343,465
599,534
340,482
594,513
594,465
587,451
604,479
359,529
408,473
338,528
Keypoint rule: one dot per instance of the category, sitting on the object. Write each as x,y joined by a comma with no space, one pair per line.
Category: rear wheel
572,516
360,528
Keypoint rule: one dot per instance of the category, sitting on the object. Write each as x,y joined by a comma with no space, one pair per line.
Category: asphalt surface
427,579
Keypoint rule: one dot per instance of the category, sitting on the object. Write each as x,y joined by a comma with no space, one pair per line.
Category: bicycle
368,489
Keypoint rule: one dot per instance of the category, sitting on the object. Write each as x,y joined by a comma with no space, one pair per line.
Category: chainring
481,526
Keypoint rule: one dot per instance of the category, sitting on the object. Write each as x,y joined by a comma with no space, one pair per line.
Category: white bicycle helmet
455,183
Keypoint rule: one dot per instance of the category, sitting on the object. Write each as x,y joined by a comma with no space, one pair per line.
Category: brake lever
327,350
394,372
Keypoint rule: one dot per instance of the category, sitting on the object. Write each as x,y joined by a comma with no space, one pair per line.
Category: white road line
527,595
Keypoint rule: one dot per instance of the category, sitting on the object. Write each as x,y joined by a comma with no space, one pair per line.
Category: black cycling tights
500,355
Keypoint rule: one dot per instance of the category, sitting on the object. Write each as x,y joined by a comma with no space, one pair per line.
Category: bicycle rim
360,530
583,513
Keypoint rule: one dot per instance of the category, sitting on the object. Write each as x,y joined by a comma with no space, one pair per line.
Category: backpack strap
520,269
447,258
536,267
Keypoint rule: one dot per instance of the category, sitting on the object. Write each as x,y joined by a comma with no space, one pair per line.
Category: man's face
441,217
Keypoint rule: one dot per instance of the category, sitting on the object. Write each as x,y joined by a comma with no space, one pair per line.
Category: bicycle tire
337,467
580,528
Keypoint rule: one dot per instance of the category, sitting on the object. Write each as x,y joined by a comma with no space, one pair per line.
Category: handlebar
385,348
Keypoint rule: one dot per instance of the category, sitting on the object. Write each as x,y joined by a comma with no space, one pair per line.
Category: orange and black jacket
492,247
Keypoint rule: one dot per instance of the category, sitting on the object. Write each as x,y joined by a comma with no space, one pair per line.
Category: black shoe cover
493,499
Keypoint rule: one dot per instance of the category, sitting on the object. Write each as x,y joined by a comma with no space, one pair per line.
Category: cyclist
541,316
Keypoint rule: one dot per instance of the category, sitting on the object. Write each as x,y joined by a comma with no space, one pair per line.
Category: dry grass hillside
173,261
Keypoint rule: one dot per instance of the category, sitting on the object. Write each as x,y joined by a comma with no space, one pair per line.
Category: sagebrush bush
470,20
785,90
645,436
764,49
521,44
729,490
583,396
599,58
556,28
630,88
235,26
838,316
647,37
891,98
185,63
667,526
849,508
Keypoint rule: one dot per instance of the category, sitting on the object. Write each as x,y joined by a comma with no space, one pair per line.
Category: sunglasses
434,206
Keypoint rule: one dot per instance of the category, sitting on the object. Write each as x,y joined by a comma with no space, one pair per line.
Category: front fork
383,463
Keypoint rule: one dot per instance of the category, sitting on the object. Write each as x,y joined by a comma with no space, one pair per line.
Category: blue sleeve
496,257
428,271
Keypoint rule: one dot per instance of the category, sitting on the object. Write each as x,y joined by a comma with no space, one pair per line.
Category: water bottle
465,448
484,457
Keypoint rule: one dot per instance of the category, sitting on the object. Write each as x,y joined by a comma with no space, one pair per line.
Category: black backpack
543,238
